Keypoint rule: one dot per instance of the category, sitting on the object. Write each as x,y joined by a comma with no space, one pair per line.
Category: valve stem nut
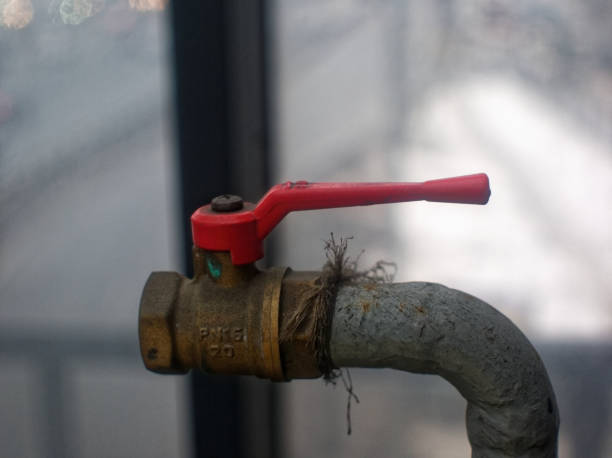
227,203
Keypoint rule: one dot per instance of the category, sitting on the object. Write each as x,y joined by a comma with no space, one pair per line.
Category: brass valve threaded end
227,322
156,323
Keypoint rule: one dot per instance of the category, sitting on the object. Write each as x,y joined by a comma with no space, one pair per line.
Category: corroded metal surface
225,320
270,324
428,328
156,321
298,355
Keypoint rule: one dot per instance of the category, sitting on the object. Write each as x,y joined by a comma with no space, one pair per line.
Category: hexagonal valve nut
155,323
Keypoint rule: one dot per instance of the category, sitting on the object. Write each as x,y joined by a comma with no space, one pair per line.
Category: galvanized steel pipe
428,328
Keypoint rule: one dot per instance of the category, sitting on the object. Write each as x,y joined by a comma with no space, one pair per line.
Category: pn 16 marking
219,335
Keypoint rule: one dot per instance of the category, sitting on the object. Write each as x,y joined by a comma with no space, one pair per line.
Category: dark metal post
222,137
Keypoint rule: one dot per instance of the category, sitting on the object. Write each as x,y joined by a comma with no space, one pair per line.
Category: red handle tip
469,189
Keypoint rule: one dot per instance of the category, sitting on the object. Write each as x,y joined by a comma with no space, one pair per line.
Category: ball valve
233,318
229,225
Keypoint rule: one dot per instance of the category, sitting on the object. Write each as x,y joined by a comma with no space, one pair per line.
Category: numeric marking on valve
221,351
222,334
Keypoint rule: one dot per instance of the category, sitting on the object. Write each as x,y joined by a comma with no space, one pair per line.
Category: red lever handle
242,231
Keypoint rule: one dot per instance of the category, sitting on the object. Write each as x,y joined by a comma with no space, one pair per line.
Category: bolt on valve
227,319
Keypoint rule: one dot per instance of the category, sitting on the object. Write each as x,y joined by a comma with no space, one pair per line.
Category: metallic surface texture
428,328
270,323
226,320
226,203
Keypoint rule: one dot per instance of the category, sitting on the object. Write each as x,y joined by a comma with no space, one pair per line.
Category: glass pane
86,189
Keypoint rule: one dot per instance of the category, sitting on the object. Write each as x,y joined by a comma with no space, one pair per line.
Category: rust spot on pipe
365,306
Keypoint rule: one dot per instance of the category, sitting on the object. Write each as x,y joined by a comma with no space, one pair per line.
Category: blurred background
119,118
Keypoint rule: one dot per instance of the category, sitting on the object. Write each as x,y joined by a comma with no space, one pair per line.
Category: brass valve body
226,320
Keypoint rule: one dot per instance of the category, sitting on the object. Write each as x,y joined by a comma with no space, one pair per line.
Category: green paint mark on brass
214,267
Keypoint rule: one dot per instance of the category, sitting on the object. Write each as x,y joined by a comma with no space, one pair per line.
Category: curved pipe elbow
428,328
